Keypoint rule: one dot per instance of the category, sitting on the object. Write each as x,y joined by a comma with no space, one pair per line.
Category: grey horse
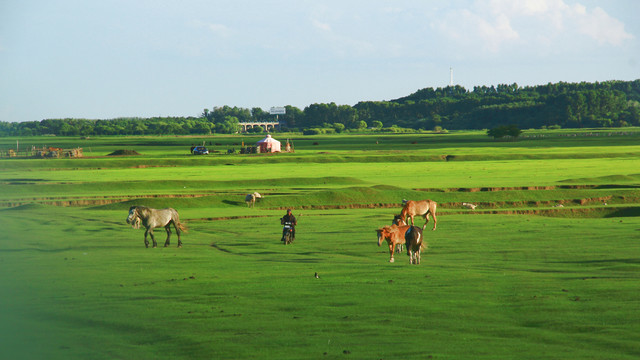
152,218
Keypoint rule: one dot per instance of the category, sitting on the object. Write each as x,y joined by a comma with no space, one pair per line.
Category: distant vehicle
200,150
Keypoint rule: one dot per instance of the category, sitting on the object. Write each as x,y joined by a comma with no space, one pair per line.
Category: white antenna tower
450,76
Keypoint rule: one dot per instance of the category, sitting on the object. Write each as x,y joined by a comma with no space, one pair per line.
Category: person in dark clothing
291,220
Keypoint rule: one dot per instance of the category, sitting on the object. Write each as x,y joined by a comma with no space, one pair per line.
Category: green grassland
518,278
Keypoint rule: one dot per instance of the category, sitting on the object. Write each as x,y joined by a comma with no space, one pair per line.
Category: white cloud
493,25
321,25
496,33
392,10
596,24
601,27
220,30
475,30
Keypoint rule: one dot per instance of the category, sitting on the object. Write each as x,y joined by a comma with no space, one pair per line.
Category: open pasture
518,278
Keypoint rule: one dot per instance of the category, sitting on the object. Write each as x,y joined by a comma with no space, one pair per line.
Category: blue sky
112,58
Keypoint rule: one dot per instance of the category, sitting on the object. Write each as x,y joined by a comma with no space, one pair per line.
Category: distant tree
514,131
229,125
260,115
502,131
377,124
293,117
313,131
255,130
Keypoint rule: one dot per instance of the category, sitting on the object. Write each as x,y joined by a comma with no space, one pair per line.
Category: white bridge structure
266,125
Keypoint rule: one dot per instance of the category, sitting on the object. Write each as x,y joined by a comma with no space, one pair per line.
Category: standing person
290,220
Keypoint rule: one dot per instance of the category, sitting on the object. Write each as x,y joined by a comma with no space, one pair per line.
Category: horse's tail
176,222
180,226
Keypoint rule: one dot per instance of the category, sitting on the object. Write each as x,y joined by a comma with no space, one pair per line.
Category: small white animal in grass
469,206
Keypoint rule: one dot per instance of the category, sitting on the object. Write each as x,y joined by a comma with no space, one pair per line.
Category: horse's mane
390,229
143,211
393,228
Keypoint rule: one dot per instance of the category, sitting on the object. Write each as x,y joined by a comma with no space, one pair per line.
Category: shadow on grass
625,212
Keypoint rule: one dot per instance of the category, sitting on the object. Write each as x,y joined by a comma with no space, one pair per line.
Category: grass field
519,278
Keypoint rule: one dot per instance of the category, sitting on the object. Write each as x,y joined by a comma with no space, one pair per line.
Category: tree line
555,105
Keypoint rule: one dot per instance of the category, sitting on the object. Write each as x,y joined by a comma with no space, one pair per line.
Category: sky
141,58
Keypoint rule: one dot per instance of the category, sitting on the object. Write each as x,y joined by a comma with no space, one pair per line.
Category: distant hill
571,105
566,105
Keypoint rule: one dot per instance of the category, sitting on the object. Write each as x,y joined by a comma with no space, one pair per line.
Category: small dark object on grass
124,153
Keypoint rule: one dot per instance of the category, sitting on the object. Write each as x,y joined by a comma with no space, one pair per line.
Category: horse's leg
392,248
435,221
153,238
168,228
178,232
146,242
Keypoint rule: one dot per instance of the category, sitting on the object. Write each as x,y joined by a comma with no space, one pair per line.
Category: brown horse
152,218
420,208
398,221
397,235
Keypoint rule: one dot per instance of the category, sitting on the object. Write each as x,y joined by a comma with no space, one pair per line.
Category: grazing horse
397,235
153,218
250,199
398,220
420,208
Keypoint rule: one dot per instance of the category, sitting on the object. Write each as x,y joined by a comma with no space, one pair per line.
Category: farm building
268,144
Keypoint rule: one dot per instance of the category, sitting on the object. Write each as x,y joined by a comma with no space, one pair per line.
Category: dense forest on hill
565,105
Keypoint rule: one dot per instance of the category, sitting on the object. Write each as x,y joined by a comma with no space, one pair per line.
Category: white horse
251,199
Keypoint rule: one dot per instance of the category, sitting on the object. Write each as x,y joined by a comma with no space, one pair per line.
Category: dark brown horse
414,243
152,218
420,208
